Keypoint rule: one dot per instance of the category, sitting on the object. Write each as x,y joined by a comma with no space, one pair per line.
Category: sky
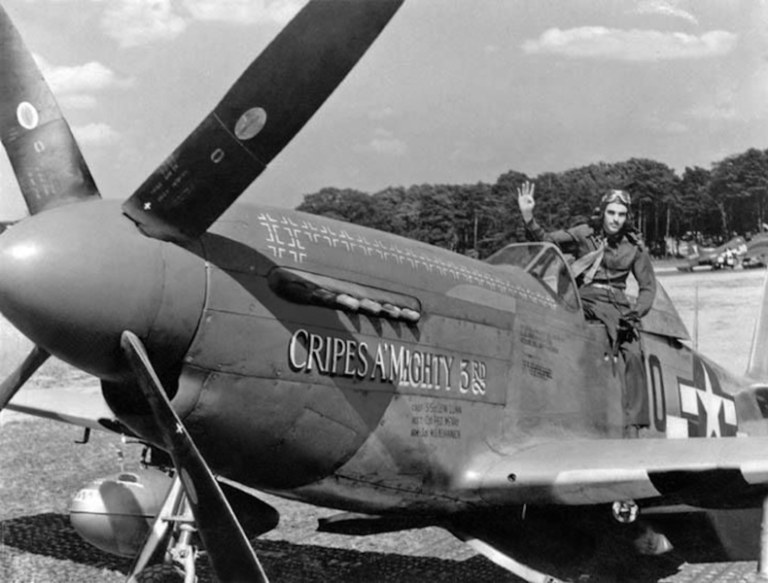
453,91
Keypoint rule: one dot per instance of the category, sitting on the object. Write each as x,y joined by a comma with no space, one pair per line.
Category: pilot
606,249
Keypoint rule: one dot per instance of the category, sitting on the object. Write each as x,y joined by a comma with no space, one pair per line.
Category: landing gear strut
174,524
761,576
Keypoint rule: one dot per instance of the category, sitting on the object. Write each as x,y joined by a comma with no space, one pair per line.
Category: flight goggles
621,196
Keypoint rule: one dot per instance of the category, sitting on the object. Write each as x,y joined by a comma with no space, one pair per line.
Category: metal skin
363,412
259,410
114,513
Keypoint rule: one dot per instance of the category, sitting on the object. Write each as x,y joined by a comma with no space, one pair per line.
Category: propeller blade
46,159
230,553
17,378
260,114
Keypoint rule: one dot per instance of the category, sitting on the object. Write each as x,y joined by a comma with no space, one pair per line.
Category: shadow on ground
51,535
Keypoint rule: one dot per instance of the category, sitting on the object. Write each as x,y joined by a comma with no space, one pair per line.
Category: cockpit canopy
545,262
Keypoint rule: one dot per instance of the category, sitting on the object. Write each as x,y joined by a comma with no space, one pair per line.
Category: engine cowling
115,513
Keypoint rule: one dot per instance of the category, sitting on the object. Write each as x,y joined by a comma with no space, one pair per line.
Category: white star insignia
712,404
179,428
147,206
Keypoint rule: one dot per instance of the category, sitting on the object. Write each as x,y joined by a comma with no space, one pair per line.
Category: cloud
665,8
97,134
384,142
136,22
92,76
244,11
597,42
75,85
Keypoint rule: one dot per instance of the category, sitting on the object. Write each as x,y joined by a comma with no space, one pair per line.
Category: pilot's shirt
621,256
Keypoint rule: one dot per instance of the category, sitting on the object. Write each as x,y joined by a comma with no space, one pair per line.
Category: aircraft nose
73,278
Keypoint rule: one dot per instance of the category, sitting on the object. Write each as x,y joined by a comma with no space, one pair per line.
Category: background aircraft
729,254
757,251
262,349
736,252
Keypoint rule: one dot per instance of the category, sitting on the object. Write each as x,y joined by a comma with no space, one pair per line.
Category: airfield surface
41,469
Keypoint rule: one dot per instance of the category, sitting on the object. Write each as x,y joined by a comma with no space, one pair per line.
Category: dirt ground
41,468
722,306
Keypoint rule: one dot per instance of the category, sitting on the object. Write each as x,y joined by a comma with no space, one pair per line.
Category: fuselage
322,360
376,409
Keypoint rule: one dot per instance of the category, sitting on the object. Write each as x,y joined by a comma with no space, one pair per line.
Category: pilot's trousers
610,306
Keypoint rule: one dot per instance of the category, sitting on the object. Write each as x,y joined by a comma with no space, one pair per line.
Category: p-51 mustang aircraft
258,349
728,254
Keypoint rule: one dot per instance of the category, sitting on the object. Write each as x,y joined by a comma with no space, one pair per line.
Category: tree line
710,205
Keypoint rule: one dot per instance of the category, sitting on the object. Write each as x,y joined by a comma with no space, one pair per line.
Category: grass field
14,347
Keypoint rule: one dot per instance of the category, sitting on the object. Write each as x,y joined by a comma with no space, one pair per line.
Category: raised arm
567,240
525,200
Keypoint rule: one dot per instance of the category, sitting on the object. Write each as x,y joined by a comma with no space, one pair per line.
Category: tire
160,573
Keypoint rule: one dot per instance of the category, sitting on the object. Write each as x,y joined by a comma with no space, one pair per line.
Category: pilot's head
614,212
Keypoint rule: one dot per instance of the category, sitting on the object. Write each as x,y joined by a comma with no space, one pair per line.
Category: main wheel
160,573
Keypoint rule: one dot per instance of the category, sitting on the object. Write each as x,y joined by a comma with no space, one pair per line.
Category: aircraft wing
707,472
82,406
